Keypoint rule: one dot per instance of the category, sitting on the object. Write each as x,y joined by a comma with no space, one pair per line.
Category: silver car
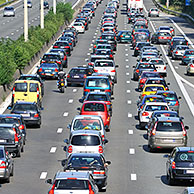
167,132
9,12
6,164
86,141
72,182
153,12
178,52
188,190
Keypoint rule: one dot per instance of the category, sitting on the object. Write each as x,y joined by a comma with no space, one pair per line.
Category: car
85,141
48,70
161,37
167,133
188,190
83,21
153,12
111,38
89,162
79,26
130,18
6,165
15,119
97,84
11,138
30,112
178,51
106,66
168,29
79,182
190,68
138,47
9,11
97,108
187,56
63,45
77,75
124,36
147,110
160,65
179,165
28,91
45,5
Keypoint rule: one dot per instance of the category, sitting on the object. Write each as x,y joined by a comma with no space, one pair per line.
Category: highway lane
12,27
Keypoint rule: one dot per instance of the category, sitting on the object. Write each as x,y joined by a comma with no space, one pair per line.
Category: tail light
70,43
107,90
136,48
121,36
95,70
137,70
90,188
82,26
55,46
173,165
85,76
70,149
176,52
113,70
16,138
3,164
13,92
36,115
164,67
142,81
177,103
160,37
21,127
102,137
184,131
40,70
68,76
66,47
65,58
43,61
56,70
52,189
184,57
111,56
99,172
38,93
59,62
94,46
192,65
100,150
145,114
86,90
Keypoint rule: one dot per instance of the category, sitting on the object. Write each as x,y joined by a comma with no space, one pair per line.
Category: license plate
169,140
25,115
47,74
76,76
2,140
96,90
47,70
190,171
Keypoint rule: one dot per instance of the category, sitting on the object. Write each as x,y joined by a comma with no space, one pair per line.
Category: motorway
133,168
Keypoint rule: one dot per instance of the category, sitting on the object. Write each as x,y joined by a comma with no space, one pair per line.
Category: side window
33,87
173,153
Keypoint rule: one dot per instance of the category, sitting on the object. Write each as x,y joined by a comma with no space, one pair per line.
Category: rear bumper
155,145
75,81
100,182
12,148
32,121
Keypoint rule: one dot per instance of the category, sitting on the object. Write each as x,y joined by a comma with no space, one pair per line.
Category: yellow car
28,91
151,89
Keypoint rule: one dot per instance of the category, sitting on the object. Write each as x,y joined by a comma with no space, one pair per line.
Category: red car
97,108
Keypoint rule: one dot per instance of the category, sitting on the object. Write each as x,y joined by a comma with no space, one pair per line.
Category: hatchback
153,12
79,26
63,45
178,51
187,56
9,11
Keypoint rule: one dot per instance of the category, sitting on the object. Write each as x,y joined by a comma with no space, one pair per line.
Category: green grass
2,1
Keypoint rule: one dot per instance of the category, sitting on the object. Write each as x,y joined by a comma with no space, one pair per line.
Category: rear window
166,115
48,57
85,140
93,124
24,107
78,71
156,82
184,157
155,107
104,64
157,62
169,126
33,87
97,97
9,120
153,88
21,87
169,97
94,107
71,184
6,133
151,75
1,154
103,83
164,34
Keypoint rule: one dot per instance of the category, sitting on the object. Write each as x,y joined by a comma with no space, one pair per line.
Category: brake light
65,58
21,127
43,61
176,52
56,70
160,37
136,48
192,65
70,149
107,90
164,67
121,36
13,92
55,46
100,150
173,165
99,172
40,70
68,76
16,138
52,189
95,70
82,26
36,115
111,56
142,81
94,46
3,164
38,93
102,137
86,90
184,57
59,62
113,70
66,47
85,76
70,43
145,114
137,70
177,103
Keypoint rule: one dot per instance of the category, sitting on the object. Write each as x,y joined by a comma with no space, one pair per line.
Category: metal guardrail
158,5
6,3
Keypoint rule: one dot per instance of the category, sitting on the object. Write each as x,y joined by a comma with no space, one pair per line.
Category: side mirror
116,66
81,100
105,141
112,98
13,155
69,126
9,107
160,54
65,148
133,66
86,60
108,162
187,127
168,84
181,118
49,181
63,162
166,63
179,97
79,108
66,141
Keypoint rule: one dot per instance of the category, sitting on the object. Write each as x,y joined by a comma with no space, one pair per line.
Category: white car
79,26
168,29
190,68
106,66
153,12
9,11
160,65
148,109
178,52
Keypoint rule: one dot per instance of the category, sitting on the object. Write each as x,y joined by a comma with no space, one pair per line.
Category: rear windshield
97,97
153,88
53,57
104,64
77,71
151,75
169,97
21,87
155,107
24,107
93,124
157,62
6,133
169,126
146,66
71,184
94,107
9,120
85,140
61,44
103,83
107,37
49,65
184,157
103,47
33,87
1,154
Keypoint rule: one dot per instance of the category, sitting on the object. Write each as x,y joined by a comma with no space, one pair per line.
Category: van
28,91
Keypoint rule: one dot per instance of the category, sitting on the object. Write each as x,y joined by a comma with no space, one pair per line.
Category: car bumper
48,75
163,41
12,148
32,121
155,145
190,70
75,81
100,182
182,176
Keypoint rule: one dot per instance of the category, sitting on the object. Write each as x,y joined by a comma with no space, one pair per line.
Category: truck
137,4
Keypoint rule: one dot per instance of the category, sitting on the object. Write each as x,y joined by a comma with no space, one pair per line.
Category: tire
18,154
12,171
171,181
7,180
188,73
22,149
115,80
62,90
141,125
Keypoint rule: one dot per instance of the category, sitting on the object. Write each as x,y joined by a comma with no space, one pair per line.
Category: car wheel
7,180
188,73
18,154
12,171
115,81
171,181
141,125
22,149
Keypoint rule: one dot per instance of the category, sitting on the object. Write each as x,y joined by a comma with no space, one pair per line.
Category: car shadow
145,136
56,91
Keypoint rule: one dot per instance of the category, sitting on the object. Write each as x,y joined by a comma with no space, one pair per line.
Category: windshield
104,64
20,87
53,57
184,157
85,140
155,107
6,133
169,126
93,124
71,184
77,71
94,107
9,120
24,107
99,82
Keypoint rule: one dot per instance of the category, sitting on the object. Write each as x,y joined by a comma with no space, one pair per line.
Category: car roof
92,102
78,175
10,116
156,103
190,189
2,147
6,125
83,132
86,116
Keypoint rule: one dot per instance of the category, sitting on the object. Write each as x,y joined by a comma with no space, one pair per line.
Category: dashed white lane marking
129,115
127,66
129,101
133,177
94,36
12,33
127,73
88,53
131,151
65,114
91,45
60,130
126,45
126,54
173,61
126,59
128,91
53,150
3,23
128,82
126,49
95,33
70,101
176,67
90,49
43,175
74,90
17,30
130,132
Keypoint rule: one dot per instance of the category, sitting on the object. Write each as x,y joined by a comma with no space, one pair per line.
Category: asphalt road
13,27
133,168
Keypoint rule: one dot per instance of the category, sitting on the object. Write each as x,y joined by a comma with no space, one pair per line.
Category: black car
14,119
46,5
180,164
69,40
11,137
139,46
77,75
111,38
94,163
30,112
63,45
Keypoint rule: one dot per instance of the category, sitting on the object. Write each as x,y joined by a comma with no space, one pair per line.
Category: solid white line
129,101
129,115
70,101
43,175
130,132
53,150
65,114
60,130
131,151
133,177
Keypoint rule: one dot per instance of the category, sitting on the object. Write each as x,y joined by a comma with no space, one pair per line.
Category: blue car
48,70
97,84
187,56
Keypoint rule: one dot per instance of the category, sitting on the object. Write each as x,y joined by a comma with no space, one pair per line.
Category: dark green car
124,36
